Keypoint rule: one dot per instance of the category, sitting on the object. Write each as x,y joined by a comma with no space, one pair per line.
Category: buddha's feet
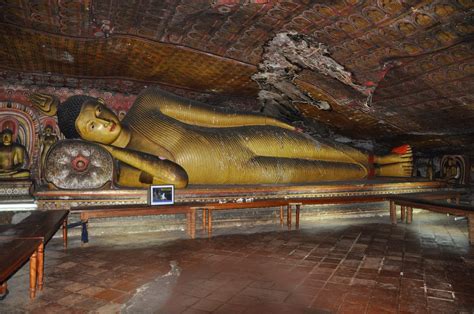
401,169
399,163
400,154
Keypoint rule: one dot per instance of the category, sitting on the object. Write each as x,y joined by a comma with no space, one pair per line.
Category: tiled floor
360,265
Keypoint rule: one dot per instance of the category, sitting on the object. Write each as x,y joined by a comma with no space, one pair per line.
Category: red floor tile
109,295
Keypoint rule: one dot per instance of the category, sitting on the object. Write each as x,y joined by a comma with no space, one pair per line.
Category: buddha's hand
48,104
162,171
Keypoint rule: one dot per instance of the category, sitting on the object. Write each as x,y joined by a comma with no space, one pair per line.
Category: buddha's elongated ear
48,104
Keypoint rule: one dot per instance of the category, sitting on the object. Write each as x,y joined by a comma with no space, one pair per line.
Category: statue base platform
16,195
66,199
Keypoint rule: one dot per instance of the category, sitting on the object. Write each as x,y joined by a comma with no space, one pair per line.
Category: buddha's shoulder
153,94
18,147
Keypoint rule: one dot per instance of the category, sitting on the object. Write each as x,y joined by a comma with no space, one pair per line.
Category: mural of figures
168,139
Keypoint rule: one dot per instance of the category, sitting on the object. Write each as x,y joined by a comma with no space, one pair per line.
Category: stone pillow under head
77,165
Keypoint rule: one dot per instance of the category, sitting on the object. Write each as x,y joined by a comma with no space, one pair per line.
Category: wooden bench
38,226
13,254
334,200
87,213
407,204
443,195
207,209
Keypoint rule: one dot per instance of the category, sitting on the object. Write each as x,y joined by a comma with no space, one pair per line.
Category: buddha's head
88,118
97,123
7,136
48,130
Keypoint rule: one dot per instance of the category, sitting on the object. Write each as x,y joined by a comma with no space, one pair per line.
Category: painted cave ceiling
396,71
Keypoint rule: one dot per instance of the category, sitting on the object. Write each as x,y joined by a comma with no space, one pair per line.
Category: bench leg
393,212
470,228
40,266
409,215
298,216
193,223
33,272
281,215
204,221
188,224
65,233
209,222
3,291
402,213
288,216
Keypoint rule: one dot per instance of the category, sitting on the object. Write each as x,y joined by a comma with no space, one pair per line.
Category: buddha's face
7,138
48,130
97,123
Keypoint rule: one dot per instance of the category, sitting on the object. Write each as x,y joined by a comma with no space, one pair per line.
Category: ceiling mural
414,56
123,57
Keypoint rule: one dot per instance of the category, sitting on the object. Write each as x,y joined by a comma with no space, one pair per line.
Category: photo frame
161,194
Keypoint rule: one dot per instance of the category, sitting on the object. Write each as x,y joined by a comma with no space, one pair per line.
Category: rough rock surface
286,55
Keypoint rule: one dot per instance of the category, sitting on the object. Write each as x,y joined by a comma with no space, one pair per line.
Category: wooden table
407,204
187,209
331,200
297,203
13,254
207,209
448,196
38,226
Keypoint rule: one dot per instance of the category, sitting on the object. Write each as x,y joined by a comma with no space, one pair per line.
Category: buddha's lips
113,126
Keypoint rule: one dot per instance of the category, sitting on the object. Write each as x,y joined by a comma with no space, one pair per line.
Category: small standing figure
48,139
13,157
429,170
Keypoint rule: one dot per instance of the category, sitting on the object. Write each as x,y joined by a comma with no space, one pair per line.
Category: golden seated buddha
168,139
12,158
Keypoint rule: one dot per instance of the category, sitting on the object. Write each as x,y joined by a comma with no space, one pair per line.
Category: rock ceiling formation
415,58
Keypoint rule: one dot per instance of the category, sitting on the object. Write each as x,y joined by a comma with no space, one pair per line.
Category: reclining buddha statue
166,139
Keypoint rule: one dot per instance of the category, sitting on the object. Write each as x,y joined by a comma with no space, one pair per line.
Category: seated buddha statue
13,156
166,139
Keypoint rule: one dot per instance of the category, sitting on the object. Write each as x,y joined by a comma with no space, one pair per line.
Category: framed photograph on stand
161,194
